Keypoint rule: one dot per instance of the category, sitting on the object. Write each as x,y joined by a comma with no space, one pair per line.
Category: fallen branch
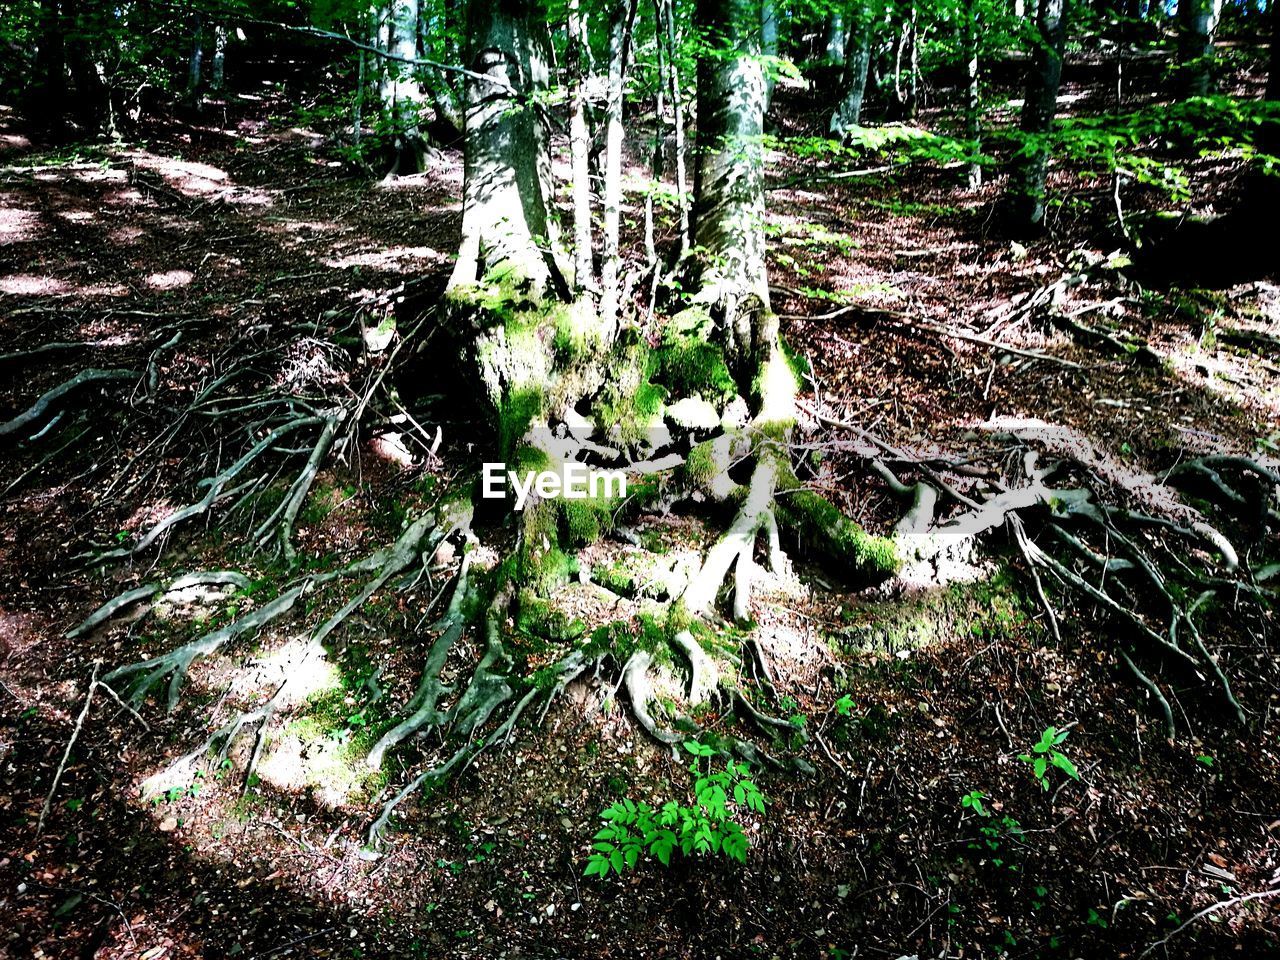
66,754
37,409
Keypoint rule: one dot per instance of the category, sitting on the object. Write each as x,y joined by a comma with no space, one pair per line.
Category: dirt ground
245,232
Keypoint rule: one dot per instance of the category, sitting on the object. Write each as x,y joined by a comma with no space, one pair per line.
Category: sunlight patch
17,225
29,284
395,259
169,280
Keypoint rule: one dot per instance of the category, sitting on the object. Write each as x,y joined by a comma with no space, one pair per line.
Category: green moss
543,565
617,577
826,529
798,364
540,626
518,409
585,520
700,468
982,611
630,406
691,367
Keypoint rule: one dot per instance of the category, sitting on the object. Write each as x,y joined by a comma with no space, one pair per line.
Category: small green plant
844,706
704,827
973,801
1045,754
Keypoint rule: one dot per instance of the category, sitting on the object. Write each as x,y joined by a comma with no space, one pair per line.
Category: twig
66,754
1220,905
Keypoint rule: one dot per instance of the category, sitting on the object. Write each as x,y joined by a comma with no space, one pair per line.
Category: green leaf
597,866
1065,765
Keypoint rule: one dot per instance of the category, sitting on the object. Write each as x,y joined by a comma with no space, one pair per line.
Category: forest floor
244,229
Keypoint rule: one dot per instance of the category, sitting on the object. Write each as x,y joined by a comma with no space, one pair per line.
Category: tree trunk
769,47
835,38
1030,165
848,112
580,150
677,123
507,231
217,72
402,93
728,211
1197,22
195,62
624,15
973,92
48,99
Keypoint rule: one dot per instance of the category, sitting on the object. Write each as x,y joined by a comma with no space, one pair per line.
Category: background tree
1197,25
1030,165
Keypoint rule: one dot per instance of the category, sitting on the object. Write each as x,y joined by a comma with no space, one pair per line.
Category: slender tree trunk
835,38
1197,23
436,84
404,90
195,62
1031,164
973,92
657,159
357,108
580,150
677,123
48,100
769,47
611,264
848,112
217,72
728,213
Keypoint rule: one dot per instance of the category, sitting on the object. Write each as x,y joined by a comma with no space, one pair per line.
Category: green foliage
973,801
996,835
703,828
1045,754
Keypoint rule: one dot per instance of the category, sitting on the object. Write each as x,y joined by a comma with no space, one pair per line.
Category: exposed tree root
38,409
704,676
153,592
635,678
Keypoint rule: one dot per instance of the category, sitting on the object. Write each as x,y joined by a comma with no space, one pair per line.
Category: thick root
635,677
704,677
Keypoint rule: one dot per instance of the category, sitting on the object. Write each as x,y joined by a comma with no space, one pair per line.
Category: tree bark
507,231
973,92
611,266
580,150
402,92
48,99
1030,166
195,62
769,47
835,38
728,210
1197,23
677,123
857,60
218,69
